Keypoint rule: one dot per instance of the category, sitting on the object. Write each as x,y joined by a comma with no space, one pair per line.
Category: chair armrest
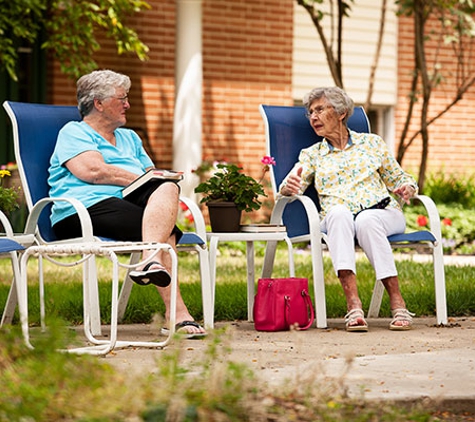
6,224
433,215
198,220
310,209
21,238
84,218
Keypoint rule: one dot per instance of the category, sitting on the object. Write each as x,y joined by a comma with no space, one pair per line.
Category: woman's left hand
406,192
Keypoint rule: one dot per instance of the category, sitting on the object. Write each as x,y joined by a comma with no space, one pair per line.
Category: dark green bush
451,189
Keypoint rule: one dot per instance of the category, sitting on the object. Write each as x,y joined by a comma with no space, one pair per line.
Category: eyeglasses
123,100
317,111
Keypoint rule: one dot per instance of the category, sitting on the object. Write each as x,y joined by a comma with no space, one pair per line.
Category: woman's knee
337,213
169,190
385,222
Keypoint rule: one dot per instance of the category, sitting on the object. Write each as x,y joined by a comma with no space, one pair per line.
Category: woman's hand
292,185
406,192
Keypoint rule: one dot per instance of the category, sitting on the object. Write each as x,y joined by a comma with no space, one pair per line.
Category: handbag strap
308,302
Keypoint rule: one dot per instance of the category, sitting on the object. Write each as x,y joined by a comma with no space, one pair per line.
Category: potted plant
231,190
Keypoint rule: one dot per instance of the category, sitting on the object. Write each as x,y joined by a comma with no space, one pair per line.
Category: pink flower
447,222
422,220
268,160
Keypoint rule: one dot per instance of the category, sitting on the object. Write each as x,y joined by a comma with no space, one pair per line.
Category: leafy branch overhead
69,29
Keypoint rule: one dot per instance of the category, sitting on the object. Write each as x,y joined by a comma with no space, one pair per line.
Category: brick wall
247,60
452,145
153,82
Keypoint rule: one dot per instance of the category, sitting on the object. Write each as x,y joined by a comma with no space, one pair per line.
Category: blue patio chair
287,133
11,245
35,129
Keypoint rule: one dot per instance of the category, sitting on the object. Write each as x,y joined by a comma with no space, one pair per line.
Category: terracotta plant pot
224,217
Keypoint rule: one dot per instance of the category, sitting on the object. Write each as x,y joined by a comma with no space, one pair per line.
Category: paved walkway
426,362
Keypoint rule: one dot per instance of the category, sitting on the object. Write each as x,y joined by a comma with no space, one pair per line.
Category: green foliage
46,385
229,184
457,226
71,29
19,20
454,197
446,188
8,195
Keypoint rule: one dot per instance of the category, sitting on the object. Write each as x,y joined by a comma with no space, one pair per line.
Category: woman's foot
188,329
402,320
355,321
153,273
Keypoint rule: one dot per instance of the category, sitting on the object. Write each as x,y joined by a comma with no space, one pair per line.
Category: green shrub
451,189
457,226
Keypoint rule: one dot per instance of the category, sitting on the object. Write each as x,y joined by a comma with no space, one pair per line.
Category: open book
151,176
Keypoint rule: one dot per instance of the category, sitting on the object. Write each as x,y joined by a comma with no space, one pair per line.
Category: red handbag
281,303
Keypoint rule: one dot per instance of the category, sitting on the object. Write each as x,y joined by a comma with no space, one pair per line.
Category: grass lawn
64,288
39,384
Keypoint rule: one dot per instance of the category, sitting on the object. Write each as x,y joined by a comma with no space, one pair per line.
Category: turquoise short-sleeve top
78,137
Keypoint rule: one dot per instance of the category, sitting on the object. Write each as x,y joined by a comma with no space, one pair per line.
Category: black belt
381,205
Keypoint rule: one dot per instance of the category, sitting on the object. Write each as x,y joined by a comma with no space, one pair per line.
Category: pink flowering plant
229,184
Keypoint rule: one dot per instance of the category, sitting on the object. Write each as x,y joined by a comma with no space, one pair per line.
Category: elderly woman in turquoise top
354,174
93,160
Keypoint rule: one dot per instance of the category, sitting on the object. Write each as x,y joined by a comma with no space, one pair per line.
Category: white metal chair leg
439,280
93,296
126,289
89,253
12,298
10,305
206,287
319,284
269,259
376,298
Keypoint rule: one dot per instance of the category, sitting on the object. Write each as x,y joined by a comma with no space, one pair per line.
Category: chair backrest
35,130
288,131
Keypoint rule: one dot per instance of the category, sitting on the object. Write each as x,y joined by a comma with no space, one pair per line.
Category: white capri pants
370,228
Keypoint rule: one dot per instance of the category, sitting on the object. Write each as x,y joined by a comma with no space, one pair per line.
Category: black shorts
114,218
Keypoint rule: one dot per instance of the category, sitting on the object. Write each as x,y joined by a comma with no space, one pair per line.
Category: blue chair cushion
191,239
8,245
414,237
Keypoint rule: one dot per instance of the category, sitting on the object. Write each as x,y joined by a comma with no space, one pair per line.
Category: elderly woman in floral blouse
354,174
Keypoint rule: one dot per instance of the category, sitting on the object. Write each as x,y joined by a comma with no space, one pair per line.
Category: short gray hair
335,96
99,84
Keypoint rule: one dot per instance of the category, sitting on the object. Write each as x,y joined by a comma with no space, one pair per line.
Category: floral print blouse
359,176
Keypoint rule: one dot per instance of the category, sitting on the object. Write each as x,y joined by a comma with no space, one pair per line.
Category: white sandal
401,315
353,316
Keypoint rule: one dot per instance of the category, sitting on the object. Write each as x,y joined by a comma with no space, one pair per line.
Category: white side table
249,238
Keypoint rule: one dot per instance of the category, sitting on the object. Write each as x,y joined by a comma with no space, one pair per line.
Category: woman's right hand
292,185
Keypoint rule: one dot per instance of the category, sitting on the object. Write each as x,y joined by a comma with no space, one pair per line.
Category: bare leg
395,298
164,203
353,301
